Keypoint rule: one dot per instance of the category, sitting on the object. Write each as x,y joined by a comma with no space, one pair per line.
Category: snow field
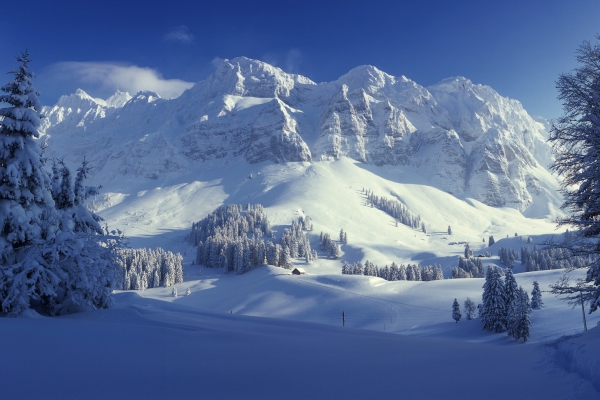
146,348
217,343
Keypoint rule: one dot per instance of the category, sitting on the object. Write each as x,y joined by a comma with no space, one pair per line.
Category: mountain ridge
470,140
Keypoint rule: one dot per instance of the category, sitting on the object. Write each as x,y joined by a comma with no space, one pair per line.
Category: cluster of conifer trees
395,272
507,256
545,258
139,269
330,246
506,306
234,240
468,266
471,267
395,209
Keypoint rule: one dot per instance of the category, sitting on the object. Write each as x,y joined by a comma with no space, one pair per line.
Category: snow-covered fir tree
53,257
493,313
449,230
188,291
491,241
519,318
468,251
456,315
470,309
510,287
536,296
174,292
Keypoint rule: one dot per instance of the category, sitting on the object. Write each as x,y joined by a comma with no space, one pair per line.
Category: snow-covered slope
466,138
147,348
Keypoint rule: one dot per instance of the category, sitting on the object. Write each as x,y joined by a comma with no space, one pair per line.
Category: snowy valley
469,163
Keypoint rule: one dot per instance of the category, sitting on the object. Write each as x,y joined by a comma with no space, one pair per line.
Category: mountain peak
367,77
118,99
243,76
79,99
453,84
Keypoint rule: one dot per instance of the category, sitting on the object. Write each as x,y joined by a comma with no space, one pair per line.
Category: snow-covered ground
270,334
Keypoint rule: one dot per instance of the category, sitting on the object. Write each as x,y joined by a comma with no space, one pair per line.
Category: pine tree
491,241
510,287
188,292
470,309
456,311
174,292
449,230
286,260
54,257
468,251
521,322
334,251
536,296
494,313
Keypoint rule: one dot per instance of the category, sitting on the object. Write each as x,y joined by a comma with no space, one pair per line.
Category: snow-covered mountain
460,137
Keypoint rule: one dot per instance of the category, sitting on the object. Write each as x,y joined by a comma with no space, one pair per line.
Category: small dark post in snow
343,319
583,311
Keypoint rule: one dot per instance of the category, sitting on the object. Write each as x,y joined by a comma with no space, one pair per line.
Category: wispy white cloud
112,76
217,61
293,59
289,61
179,34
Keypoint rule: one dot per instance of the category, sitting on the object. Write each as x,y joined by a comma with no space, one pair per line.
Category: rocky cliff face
466,138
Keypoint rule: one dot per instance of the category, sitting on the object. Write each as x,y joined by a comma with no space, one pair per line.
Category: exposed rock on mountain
466,138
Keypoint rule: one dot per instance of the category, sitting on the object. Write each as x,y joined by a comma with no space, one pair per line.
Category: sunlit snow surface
270,334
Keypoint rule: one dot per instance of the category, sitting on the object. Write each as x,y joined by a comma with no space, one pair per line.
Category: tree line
410,272
139,269
395,209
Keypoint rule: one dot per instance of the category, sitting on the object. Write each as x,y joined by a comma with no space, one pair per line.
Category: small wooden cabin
299,271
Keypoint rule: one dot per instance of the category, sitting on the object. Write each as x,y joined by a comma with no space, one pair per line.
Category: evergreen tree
456,311
470,309
334,251
491,241
286,260
536,296
449,230
54,257
468,251
510,287
174,292
494,313
188,292
521,322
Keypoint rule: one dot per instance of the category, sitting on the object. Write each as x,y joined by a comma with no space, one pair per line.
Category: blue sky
516,47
